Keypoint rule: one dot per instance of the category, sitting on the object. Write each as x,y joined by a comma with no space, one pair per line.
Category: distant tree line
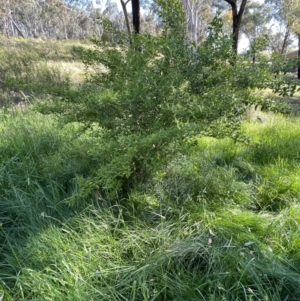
69,19
270,25
49,18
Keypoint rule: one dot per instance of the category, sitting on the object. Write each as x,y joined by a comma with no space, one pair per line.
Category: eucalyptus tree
149,24
291,13
226,17
198,15
136,18
237,10
54,18
254,26
124,8
8,23
281,37
135,5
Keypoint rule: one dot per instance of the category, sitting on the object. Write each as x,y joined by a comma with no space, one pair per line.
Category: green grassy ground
219,222
39,67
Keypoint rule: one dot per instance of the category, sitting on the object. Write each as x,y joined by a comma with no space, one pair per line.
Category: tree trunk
126,18
298,56
284,44
195,26
17,28
136,15
236,21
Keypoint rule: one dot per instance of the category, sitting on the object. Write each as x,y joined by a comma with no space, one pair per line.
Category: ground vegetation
166,173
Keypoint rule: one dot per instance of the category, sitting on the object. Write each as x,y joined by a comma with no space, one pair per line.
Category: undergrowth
218,221
33,68
146,182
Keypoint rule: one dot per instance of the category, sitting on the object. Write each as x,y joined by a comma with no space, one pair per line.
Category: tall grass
99,255
215,220
37,68
28,189
218,221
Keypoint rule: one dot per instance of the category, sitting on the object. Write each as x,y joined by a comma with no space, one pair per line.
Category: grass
217,220
48,48
32,68
218,223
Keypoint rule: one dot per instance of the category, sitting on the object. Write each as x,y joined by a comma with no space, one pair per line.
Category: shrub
158,92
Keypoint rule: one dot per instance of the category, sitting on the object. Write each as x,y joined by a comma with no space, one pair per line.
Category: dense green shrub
158,92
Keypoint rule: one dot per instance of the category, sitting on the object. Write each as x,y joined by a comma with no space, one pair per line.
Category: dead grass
75,70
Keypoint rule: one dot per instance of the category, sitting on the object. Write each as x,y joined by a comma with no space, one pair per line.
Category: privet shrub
150,96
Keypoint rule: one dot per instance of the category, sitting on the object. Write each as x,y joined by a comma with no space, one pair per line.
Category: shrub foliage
148,97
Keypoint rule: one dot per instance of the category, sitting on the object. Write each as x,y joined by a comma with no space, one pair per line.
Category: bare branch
126,18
